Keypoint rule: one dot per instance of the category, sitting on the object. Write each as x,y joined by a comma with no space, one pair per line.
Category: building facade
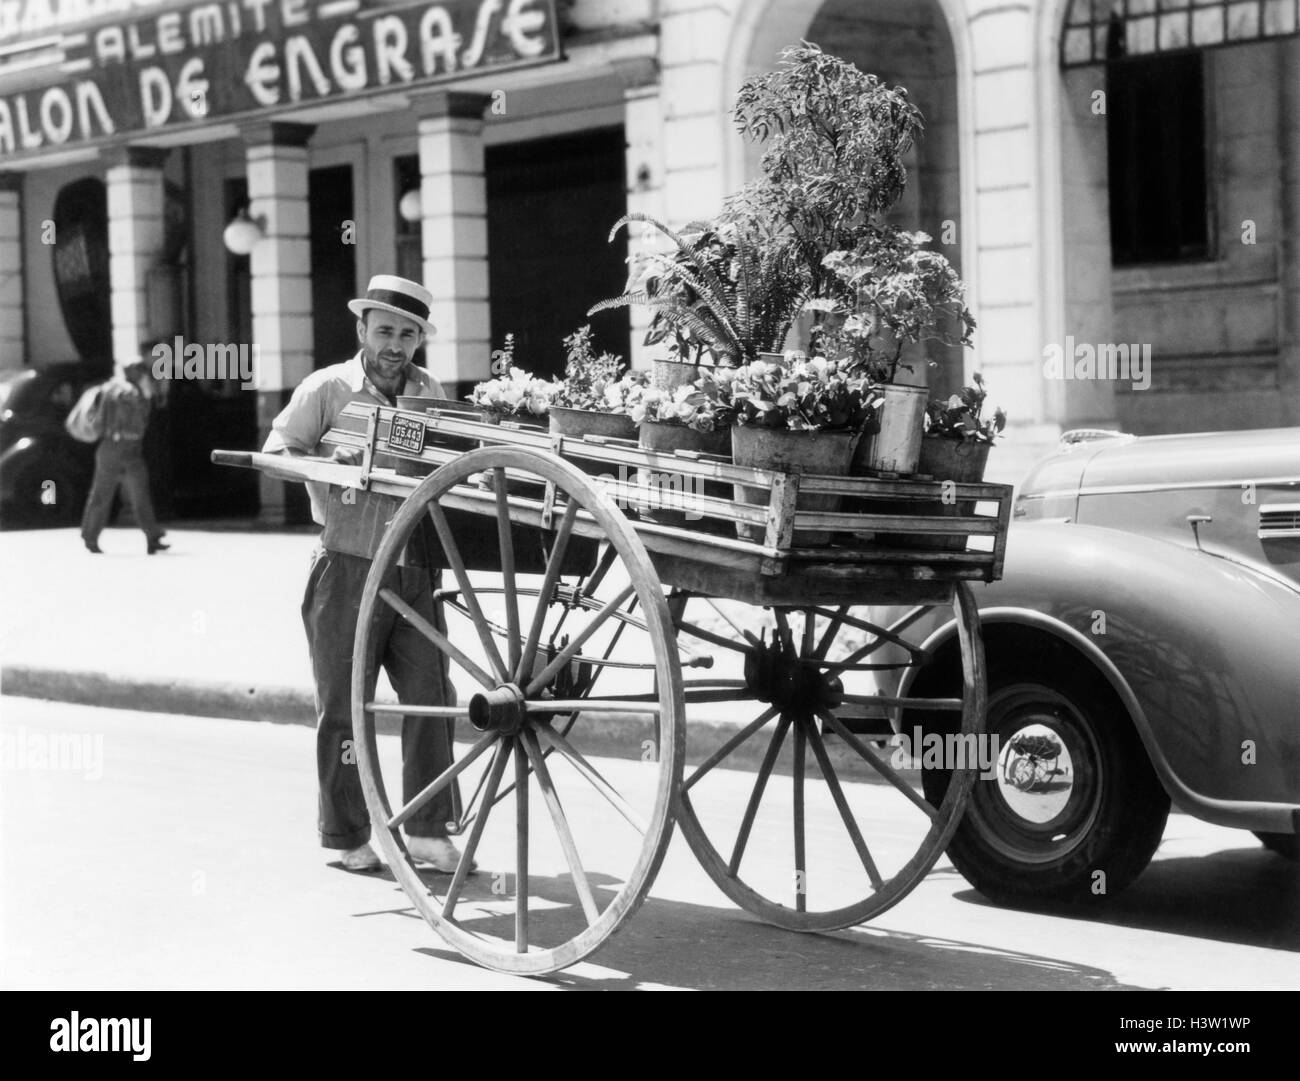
1118,181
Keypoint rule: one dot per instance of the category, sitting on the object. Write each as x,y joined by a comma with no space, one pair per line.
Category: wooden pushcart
573,611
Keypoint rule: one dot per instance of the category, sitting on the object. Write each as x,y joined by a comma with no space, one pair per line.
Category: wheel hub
789,682
499,710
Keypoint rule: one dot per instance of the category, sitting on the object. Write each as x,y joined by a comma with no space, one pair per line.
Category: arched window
1099,30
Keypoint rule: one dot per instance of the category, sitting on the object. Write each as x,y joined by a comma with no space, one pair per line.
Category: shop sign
236,58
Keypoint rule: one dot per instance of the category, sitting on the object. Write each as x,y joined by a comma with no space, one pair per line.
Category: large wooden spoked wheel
570,686
823,823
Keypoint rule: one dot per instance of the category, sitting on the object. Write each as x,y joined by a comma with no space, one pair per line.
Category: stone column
13,336
1009,300
135,241
692,34
453,204
1289,284
281,278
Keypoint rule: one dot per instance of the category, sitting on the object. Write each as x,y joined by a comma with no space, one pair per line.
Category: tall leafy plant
835,142
725,290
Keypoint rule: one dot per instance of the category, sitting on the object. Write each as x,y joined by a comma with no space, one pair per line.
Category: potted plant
593,396
958,437
514,395
902,295
723,296
833,166
687,418
955,448
804,415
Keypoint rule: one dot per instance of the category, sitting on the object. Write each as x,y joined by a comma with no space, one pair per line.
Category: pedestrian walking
123,406
392,322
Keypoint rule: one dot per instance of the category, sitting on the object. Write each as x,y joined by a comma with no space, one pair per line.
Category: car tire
1284,844
1092,827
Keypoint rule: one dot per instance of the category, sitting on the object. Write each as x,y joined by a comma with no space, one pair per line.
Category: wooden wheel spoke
597,576
507,544
938,704
593,705
828,637
756,795
567,654
891,634
562,830
808,647
440,782
557,742
783,629
417,711
800,841
741,632
553,564
709,636
436,637
480,822
842,805
468,596
731,744
521,847
878,764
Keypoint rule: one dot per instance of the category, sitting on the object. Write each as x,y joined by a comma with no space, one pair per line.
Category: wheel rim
1050,811
833,823
551,889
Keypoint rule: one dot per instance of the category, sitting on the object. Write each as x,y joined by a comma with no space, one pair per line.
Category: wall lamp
242,233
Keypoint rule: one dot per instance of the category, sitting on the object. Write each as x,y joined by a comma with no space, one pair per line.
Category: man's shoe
438,852
362,860
155,544
92,546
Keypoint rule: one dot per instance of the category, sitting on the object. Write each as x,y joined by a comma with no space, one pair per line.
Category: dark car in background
45,474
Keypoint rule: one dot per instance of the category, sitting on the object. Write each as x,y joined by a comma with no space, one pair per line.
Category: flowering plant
802,395
515,392
689,406
594,382
959,417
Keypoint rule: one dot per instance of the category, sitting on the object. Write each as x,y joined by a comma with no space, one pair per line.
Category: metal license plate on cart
407,434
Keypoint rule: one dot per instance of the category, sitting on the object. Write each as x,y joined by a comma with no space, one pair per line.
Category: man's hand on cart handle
341,455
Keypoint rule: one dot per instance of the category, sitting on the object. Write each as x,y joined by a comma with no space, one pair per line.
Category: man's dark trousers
119,461
418,672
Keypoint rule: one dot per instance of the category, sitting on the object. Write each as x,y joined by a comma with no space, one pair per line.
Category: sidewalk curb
611,735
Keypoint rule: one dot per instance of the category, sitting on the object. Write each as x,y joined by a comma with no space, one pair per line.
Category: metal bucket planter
959,460
896,447
576,423
779,449
666,438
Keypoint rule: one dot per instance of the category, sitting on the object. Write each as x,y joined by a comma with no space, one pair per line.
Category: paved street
182,855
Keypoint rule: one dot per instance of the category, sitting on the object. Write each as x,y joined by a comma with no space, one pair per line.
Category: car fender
1200,650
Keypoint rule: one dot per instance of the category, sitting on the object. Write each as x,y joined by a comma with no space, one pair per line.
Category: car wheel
1284,844
1089,826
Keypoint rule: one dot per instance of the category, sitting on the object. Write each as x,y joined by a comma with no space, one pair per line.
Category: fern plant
724,290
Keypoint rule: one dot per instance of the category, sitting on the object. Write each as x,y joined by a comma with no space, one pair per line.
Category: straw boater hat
401,296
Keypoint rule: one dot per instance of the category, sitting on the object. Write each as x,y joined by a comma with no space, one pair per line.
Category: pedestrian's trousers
418,672
119,462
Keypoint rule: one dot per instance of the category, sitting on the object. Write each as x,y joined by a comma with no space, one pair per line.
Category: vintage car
1143,647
